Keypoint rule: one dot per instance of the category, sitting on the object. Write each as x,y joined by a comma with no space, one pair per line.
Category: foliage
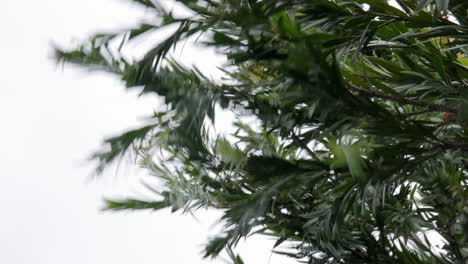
361,147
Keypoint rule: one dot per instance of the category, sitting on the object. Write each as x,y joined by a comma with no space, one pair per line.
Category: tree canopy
358,152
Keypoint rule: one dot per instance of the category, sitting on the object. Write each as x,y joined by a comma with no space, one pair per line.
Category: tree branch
455,145
404,101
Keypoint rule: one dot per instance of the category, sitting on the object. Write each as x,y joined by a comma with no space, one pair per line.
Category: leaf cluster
360,155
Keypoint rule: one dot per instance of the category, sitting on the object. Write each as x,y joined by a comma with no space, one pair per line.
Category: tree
360,151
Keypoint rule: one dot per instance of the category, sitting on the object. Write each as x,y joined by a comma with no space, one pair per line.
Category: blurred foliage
360,155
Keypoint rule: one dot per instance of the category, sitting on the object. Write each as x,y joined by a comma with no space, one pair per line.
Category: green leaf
134,205
354,160
339,156
229,154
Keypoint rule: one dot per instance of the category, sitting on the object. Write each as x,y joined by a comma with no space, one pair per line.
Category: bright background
51,120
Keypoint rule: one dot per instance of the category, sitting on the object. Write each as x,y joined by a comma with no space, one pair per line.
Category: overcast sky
50,121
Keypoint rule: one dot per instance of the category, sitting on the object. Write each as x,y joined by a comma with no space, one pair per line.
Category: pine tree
359,150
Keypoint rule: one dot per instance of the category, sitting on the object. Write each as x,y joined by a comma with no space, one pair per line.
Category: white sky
51,120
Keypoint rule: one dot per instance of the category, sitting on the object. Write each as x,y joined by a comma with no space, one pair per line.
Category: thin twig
304,146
